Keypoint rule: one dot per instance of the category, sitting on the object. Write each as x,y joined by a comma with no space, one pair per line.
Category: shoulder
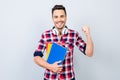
47,32
72,31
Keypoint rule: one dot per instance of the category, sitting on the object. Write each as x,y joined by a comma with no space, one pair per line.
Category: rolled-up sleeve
80,43
41,47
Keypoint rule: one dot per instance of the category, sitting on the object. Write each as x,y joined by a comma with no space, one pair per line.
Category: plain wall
23,21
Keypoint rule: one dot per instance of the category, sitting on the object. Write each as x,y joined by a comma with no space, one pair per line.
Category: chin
60,27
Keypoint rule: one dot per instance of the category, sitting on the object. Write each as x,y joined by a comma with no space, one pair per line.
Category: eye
55,16
62,16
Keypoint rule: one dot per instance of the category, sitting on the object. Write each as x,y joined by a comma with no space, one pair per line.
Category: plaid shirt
69,39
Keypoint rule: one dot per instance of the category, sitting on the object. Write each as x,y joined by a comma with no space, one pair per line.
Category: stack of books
55,52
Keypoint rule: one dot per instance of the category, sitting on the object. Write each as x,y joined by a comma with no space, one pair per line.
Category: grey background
23,21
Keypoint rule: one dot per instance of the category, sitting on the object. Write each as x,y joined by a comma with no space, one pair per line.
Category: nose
59,19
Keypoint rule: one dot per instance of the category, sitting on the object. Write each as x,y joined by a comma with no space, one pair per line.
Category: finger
60,67
83,28
59,70
86,29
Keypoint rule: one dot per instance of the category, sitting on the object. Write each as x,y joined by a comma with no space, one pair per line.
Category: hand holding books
55,67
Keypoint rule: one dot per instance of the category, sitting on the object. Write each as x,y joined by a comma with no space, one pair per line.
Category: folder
48,48
55,52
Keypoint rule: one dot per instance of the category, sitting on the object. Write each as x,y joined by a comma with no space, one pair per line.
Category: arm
89,44
53,67
40,61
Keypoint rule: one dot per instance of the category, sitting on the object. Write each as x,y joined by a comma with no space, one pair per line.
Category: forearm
89,46
41,62
53,67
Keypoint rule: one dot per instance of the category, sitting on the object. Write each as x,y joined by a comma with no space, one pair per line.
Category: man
61,34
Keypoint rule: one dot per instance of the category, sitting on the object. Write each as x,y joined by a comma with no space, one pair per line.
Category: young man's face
59,18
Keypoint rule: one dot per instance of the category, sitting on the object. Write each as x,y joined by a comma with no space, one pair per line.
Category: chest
65,40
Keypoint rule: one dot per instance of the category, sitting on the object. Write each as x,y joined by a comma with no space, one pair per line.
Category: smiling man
59,18
61,34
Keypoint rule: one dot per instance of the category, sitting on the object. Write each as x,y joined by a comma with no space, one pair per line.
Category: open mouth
59,24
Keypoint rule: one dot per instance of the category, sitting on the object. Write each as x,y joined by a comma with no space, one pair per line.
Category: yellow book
48,48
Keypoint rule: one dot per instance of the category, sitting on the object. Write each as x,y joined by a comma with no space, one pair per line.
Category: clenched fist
86,30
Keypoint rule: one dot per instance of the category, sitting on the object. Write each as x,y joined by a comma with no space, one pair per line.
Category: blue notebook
57,53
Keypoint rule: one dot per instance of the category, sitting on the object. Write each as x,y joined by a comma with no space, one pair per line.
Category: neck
60,31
